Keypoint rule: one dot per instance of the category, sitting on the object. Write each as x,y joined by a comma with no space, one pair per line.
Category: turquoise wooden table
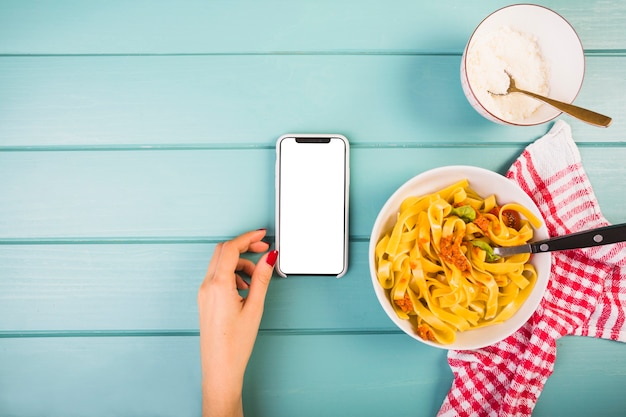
134,136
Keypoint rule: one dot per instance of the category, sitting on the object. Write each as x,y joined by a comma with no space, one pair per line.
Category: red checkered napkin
586,294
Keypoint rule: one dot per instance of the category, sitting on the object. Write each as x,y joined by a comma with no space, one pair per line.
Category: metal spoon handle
585,115
585,239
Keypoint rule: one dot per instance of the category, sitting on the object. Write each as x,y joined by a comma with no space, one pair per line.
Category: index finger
229,255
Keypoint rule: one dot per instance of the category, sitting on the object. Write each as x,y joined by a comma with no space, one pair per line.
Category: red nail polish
271,257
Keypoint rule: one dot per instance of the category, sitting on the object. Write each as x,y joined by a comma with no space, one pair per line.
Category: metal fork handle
585,115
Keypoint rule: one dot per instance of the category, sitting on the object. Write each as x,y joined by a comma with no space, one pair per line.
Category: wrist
222,397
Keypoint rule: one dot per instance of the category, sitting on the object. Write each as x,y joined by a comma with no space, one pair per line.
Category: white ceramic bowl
484,182
559,45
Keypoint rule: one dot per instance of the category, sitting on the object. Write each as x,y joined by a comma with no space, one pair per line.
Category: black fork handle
585,239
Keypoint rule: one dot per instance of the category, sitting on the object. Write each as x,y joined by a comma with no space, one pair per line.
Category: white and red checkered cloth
586,295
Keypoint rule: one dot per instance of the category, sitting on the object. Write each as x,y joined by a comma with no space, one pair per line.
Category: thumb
260,281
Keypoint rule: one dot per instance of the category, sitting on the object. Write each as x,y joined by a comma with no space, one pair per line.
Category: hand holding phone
312,189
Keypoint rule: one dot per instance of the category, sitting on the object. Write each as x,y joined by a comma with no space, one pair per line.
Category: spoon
594,237
585,115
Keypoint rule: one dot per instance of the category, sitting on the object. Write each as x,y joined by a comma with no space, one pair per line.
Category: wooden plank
57,194
179,101
352,375
189,194
99,376
149,27
62,289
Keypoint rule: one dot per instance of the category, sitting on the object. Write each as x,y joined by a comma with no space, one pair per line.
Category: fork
594,237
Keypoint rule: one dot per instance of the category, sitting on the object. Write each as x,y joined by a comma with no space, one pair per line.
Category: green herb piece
491,256
466,213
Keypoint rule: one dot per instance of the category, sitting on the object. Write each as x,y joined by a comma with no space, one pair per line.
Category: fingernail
271,257
262,228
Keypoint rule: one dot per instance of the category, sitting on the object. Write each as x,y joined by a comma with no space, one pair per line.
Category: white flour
519,54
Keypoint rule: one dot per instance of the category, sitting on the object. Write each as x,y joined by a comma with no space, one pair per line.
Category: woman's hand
229,323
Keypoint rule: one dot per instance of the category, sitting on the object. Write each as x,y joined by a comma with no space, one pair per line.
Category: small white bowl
484,61
484,182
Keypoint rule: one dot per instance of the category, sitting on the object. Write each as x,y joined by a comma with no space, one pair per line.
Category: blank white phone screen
312,206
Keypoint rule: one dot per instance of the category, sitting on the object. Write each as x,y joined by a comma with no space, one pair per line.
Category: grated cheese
518,53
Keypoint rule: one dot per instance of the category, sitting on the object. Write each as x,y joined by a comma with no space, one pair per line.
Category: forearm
223,368
222,396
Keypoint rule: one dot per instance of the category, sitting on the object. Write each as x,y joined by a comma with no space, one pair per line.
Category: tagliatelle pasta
438,267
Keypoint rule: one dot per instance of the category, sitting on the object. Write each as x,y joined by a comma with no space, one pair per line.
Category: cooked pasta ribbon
437,263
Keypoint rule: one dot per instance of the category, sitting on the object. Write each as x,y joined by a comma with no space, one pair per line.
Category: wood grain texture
251,100
118,288
213,193
136,135
274,26
288,375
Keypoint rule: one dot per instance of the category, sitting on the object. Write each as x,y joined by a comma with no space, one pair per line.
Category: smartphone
312,189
